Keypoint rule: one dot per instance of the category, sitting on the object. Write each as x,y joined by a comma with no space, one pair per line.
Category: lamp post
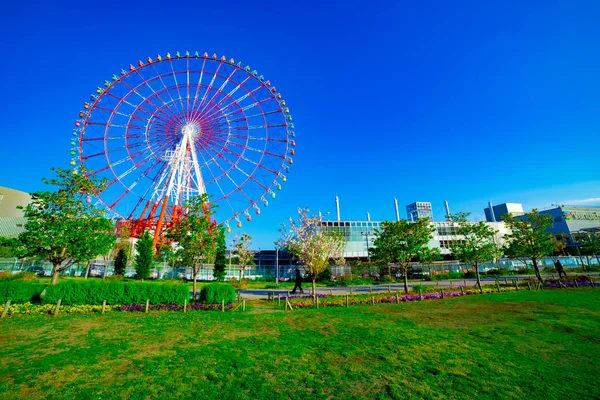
276,265
366,235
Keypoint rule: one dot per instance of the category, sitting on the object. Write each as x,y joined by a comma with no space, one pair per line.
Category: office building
419,209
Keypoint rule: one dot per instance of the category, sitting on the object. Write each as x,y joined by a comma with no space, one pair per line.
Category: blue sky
468,102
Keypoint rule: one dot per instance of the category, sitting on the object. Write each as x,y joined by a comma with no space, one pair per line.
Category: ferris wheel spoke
219,91
199,85
234,102
160,78
176,85
268,139
248,176
242,157
145,100
228,96
246,117
209,88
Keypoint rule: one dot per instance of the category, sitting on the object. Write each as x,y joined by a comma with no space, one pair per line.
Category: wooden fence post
222,305
529,286
498,285
57,307
244,305
351,288
505,282
420,294
147,304
370,289
6,306
480,288
516,286
278,299
103,306
331,292
462,291
397,297
390,288
442,292
317,301
576,284
185,304
451,284
591,282
347,301
373,300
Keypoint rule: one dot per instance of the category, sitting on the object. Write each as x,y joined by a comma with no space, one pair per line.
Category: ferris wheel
178,126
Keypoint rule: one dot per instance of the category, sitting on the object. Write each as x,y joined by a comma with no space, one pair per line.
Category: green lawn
543,344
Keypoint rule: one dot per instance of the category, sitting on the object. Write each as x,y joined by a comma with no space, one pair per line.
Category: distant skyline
466,101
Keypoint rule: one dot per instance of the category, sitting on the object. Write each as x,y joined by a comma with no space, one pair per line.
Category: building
572,223
419,209
360,235
495,213
12,221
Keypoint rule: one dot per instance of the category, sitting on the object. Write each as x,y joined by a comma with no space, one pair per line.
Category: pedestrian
559,269
298,284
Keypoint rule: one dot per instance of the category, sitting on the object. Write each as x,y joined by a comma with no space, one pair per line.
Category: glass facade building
419,209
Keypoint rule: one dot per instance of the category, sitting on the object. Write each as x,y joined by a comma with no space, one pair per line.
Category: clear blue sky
422,101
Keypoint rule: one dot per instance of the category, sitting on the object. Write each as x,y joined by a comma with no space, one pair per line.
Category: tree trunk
105,269
87,270
55,272
477,275
405,270
537,270
195,288
314,287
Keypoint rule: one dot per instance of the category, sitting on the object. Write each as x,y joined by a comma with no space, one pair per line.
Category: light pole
366,235
276,265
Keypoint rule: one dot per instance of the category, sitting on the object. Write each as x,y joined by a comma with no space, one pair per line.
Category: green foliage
216,292
20,288
241,246
144,257
6,250
93,292
121,262
61,226
478,244
220,260
591,245
529,237
401,241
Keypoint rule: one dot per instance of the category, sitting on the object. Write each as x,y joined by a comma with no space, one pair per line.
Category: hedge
115,292
216,292
20,291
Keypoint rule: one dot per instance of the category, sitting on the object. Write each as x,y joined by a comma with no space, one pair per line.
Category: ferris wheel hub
190,130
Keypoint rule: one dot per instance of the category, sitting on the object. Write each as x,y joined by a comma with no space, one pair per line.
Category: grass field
543,344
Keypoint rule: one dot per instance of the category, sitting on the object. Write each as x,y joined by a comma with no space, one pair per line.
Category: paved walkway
398,286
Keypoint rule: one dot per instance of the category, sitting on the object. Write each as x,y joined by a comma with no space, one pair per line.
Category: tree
241,248
195,236
311,244
144,257
428,256
220,260
63,226
401,242
478,244
591,247
529,238
121,262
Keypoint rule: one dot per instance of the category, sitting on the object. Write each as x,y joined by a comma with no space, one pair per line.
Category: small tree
311,244
121,262
220,260
591,247
401,242
145,256
428,256
241,248
529,238
478,244
63,226
195,236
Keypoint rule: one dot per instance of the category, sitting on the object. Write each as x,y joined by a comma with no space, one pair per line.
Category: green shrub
93,292
216,292
470,274
450,275
20,289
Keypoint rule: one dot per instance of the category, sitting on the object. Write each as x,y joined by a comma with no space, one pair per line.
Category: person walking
559,269
298,284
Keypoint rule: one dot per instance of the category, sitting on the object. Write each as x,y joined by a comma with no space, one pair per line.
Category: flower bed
570,284
29,308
